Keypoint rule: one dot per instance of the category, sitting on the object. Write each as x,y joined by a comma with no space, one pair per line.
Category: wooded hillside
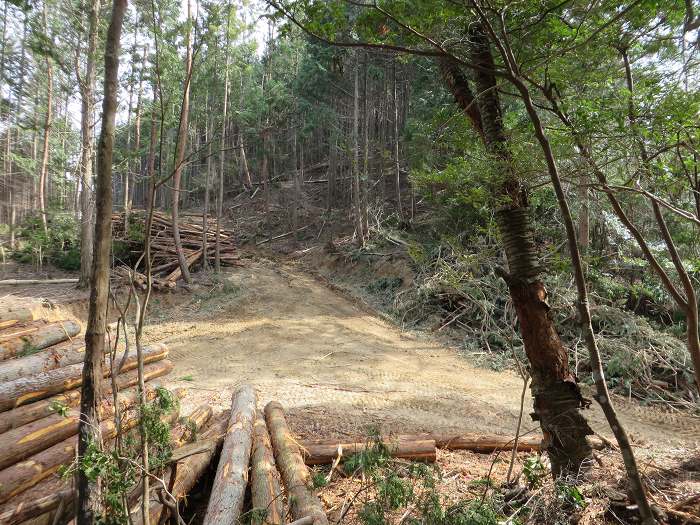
533,167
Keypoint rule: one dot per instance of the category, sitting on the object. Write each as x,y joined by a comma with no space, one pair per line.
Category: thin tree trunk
207,178
43,173
89,497
365,150
137,125
180,152
222,164
332,167
584,215
87,103
397,164
359,230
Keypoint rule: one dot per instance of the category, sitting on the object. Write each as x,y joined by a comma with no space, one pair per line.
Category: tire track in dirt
319,354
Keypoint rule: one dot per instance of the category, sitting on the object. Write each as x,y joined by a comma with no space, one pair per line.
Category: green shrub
59,245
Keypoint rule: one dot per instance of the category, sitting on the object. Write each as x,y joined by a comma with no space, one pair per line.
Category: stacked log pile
165,267
40,376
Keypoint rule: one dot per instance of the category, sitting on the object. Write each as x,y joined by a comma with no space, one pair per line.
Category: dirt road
339,369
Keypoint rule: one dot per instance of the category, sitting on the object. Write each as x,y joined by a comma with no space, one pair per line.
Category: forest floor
340,370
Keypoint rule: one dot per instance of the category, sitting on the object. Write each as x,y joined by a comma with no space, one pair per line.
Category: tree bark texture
265,481
43,337
89,498
326,453
87,105
294,472
25,474
229,488
22,442
180,148
557,398
56,356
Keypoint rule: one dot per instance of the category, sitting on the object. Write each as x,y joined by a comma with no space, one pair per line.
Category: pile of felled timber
41,366
262,444
165,267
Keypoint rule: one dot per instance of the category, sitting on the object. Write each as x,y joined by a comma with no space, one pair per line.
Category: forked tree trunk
89,499
557,398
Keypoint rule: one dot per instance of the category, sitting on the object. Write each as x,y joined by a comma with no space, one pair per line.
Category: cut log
177,272
486,442
323,454
295,474
43,498
22,442
25,474
29,389
16,313
15,282
46,407
231,480
44,337
193,424
48,359
192,461
20,329
265,484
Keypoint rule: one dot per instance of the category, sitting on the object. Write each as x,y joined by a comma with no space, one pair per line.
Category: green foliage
318,480
255,516
534,471
157,430
59,245
59,408
410,489
570,496
117,470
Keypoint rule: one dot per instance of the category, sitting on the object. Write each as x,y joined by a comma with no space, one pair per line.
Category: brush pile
41,366
165,266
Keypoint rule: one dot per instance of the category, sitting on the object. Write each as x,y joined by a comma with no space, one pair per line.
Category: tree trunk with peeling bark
295,474
228,491
265,484
556,394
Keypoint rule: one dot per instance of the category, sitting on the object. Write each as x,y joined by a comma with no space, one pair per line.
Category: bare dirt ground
338,368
